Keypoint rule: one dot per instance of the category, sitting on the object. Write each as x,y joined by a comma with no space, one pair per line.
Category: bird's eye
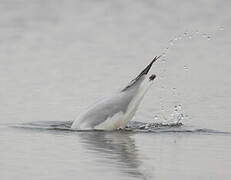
152,77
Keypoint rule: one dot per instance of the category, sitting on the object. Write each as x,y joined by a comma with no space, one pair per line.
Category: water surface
57,57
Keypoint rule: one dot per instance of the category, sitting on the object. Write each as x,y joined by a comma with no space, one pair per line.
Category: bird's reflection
118,147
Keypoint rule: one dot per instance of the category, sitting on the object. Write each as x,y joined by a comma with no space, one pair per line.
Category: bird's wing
105,109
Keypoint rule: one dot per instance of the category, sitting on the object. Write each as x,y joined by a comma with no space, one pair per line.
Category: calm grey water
57,57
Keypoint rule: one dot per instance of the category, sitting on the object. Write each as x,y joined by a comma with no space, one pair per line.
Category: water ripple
133,126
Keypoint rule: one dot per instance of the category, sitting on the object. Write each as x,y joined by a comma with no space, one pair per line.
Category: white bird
116,111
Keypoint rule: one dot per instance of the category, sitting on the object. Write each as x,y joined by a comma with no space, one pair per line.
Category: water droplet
180,117
197,32
175,39
221,28
208,38
185,33
146,126
190,36
156,117
175,108
204,35
179,107
163,60
185,68
171,43
163,54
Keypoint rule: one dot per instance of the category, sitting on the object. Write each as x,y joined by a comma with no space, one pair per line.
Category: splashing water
221,28
185,36
186,68
175,117
133,126
172,124
66,126
174,120
208,38
188,35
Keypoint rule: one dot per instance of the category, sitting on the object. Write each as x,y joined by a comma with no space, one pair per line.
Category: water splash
133,126
140,126
208,38
186,68
164,54
176,116
186,36
189,35
156,118
221,28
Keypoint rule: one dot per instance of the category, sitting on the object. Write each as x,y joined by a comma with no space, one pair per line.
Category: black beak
143,73
146,70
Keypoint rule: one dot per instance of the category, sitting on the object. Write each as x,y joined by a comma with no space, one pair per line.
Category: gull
114,112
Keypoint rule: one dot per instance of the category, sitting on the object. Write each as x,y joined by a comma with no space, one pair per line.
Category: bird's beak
146,70
143,73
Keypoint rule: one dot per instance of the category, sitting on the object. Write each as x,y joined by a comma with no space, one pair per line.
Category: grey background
57,57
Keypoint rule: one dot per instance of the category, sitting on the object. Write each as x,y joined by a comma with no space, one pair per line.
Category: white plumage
116,111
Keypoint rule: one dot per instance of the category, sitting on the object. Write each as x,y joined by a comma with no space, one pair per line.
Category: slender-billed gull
116,111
